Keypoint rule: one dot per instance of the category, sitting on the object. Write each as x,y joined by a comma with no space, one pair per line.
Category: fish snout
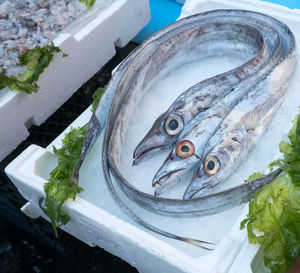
148,148
163,179
189,193
197,184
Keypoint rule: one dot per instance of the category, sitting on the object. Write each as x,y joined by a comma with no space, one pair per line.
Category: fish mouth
199,186
163,181
138,157
190,194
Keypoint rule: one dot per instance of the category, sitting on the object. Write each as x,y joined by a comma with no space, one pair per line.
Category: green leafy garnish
96,97
254,176
274,223
291,153
14,84
60,187
36,60
88,3
274,213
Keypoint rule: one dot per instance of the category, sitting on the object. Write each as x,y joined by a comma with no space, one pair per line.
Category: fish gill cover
274,213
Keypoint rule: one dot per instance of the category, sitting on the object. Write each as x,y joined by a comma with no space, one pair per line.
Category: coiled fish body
163,49
199,132
203,126
204,94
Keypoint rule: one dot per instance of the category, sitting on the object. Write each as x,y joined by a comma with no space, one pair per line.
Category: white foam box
90,43
97,220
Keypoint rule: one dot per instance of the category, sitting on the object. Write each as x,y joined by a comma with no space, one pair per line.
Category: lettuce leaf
36,60
14,84
96,97
291,153
273,220
88,3
60,187
274,223
254,176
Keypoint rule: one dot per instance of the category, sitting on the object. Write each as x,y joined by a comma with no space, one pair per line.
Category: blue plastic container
164,12
292,4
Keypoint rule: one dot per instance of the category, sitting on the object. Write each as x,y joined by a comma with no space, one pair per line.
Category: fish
195,137
198,98
166,128
197,132
239,132
124,91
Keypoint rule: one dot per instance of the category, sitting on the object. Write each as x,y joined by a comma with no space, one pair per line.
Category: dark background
28,245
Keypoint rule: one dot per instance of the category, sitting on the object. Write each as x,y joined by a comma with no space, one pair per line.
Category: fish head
178,164
216,165
161,136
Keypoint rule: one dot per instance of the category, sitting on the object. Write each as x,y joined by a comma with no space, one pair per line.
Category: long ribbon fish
270,46
198,131
198,98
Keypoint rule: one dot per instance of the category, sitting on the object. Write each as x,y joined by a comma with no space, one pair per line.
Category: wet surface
28,245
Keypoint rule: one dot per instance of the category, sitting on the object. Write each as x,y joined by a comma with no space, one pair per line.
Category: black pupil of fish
173,124
210,165
185,149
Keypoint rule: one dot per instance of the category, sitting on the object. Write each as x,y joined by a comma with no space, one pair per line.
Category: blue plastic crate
164,12
292,4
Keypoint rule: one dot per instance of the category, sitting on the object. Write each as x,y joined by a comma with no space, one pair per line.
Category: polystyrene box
98,220
90,42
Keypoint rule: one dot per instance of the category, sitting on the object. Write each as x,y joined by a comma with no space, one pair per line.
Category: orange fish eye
185,149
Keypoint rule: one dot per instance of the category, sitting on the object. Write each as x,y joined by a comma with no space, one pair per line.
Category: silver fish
196,134
201,96
198,131
155,53
240,130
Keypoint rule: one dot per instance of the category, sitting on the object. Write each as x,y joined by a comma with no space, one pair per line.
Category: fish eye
185,149
174,124
211,165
